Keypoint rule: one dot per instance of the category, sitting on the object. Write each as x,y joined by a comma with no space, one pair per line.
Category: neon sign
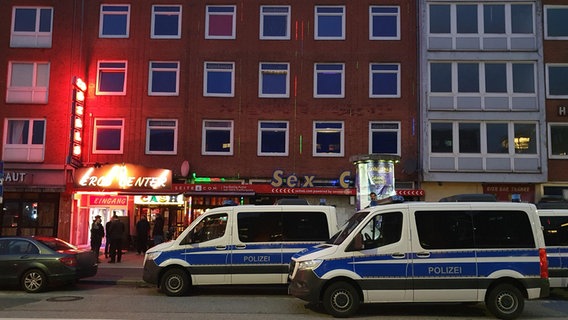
123,177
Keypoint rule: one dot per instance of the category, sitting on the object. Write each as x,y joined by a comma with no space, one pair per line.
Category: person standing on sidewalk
97,234
107,239
116,233
142,233
158,231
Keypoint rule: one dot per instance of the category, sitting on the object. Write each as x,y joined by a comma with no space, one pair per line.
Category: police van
238,245
555,229
428,252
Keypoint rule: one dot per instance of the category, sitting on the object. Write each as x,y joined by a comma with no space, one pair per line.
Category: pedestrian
142,233
158,230
115,232
107,238
97,234
374,201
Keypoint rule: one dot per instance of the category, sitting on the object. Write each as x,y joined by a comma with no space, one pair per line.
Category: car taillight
543,263
69,261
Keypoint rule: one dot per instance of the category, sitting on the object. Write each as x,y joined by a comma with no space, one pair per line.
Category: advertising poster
374,176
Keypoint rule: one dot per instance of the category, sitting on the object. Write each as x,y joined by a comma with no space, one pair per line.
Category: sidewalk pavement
128,271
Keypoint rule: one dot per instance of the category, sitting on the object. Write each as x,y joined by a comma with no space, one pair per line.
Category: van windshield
347,228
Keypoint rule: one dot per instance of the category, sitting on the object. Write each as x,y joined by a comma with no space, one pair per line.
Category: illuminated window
108,136
111,78
161,136
273,138
31,27
275,22
556,84
163,78
28,82
166,22
219,79
329,80
384,23
384,80
329,23
274,80
328,139
24,140
220,22
114,21
555,27
217,137
384,137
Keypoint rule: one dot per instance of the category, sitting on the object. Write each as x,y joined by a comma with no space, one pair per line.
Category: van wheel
505,301
341,300
34,281
175,282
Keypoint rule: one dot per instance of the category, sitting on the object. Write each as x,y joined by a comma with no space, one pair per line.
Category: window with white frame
384,23
166,22
108,136
219,79
558,140
111,77
329,80
114,21
163,79
31,27
217,137
274,80
556,84
273,138
275,22
24,140
384,137
220,22
28,82
384,80
328,139
161,136
555,27
329,23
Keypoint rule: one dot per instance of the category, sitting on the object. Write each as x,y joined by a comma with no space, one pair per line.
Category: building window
275,22
163,78
329,80
24,140
384,137
108,136
217,137
161,136
328,139
219,79
469,137
555,27
114,21
166,22
273,138
330,22
111,78
558,140
384,23
31,27
220,22
384,80
274,80
28,82
556,84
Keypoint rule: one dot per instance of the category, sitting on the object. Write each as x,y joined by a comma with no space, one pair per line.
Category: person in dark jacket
115,232
97,234
142,233
107,242
158,231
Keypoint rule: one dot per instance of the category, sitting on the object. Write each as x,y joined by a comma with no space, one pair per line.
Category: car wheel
341,300
175,282
34,281
505,301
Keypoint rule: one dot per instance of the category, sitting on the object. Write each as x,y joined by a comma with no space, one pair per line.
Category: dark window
305,226
260,226
282,226
555,230
212,227
503,229
444,229
381,230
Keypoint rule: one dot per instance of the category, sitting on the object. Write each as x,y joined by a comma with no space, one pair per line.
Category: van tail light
543,263
69,261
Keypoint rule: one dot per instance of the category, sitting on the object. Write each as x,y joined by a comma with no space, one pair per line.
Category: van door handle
398,255
423,254
240,246
221,247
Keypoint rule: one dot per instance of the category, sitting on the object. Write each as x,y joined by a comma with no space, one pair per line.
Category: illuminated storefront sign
123,177
159,199
293,181
108,200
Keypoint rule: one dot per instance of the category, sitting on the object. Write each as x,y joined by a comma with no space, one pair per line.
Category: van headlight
309,264
152,255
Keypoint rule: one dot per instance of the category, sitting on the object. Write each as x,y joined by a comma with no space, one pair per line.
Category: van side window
260,226
305,226
209,228
444,229
381,230
503,229
555,230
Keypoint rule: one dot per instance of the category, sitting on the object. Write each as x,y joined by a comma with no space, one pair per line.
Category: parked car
34,263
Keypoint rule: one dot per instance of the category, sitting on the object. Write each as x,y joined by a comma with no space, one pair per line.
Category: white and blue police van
424,252
244,244
555,229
